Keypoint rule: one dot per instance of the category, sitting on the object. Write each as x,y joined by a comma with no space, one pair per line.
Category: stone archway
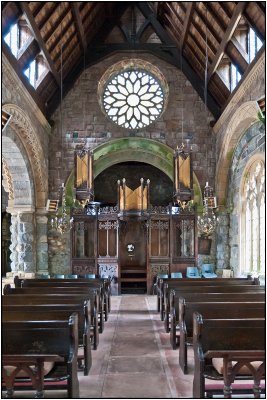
25,178
21,124
137,149
242,119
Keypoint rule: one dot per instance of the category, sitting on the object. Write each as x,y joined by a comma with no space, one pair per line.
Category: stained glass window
252,242
133,98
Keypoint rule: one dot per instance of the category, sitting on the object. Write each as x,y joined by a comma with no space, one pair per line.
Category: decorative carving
22,125
107,225
159,269
160,210
84,269
8,181
109,210
159,225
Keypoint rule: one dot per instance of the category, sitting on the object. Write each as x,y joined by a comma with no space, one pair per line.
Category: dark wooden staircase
133,279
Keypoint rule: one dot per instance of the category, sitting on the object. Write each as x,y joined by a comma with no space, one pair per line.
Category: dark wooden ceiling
79,34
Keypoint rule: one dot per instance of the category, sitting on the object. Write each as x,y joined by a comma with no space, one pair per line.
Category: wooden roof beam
257,29
186,67
48,15
237,58
240,7
188,18
207,24
13,61
32,25
78,23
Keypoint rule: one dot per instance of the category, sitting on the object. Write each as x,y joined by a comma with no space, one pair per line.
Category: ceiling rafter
13,61
257,28
32,25
187,69
219,21
240,49
57,24
186,26
64,31
48,15
236,57
173,11
208,25
79,25
239,9
202,34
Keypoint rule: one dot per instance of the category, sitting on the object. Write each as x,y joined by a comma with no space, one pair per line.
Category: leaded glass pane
133,99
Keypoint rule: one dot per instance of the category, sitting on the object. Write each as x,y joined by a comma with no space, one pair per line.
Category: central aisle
134,358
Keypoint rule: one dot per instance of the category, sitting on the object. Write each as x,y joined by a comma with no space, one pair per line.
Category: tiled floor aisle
134,358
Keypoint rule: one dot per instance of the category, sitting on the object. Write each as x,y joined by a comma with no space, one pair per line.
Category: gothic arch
141,150
21,124
241,120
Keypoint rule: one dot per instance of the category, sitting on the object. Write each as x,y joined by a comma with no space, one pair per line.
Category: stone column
26,242
222,245
14,242
41,242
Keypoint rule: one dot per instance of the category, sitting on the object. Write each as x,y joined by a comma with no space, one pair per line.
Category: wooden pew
232,340
88,283
103,284
31,343
167,284
210,310
58,299
23,313
62,289
173,295
205,297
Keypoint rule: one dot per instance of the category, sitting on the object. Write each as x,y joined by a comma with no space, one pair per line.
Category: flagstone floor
134,358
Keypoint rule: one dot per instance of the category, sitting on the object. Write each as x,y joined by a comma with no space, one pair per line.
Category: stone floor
134,358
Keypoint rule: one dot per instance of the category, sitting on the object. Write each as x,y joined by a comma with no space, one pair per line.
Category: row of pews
49,327
224,320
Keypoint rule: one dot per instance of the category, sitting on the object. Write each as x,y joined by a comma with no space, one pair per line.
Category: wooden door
132,255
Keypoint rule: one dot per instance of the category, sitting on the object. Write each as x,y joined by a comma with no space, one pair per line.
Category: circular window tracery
133,97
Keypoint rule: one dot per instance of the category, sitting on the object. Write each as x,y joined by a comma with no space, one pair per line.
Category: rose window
133,99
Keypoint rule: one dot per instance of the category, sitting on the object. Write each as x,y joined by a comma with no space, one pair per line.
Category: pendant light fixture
207,222
182,166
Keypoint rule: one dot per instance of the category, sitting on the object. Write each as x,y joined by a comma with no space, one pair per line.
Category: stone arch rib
241,120
21,124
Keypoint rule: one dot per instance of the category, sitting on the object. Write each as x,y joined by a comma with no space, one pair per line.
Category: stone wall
81,113
25,153
251,143
239,115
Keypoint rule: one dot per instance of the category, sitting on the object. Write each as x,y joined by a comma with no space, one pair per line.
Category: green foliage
261,117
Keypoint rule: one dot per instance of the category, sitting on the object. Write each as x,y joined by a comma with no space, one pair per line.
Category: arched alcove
135,149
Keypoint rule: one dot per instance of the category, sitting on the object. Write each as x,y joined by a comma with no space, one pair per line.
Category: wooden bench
230,341
58,299
205,297
103,284
174,294
65,289
104,293
218,310
23,313
167,284
27,345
